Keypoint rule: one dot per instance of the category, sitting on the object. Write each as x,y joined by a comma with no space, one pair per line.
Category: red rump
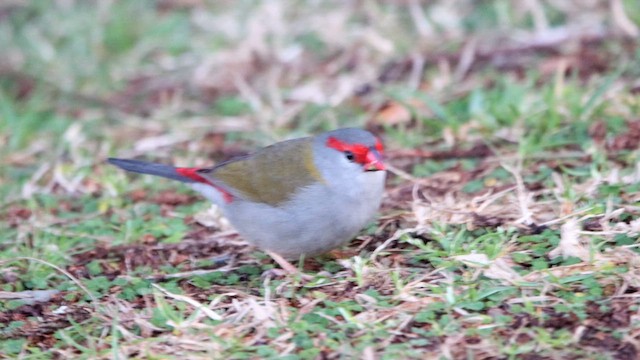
192,173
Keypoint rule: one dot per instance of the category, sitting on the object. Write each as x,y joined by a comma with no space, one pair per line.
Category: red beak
373,161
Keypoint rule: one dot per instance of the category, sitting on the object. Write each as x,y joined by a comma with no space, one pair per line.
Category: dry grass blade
94,300
200,307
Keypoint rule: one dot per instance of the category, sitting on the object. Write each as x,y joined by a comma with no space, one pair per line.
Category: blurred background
509,224
80,80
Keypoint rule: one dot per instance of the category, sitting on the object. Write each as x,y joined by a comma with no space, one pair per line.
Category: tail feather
166,171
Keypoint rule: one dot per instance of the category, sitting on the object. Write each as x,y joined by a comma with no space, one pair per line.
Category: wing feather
271,175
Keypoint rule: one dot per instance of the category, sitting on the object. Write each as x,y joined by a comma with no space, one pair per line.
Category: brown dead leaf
172,198
629,139
137,195
16,215
392,113
598,131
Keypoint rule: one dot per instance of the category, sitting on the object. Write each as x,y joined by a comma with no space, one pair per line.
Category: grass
510,224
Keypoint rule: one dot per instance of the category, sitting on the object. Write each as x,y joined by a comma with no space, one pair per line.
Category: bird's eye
349,155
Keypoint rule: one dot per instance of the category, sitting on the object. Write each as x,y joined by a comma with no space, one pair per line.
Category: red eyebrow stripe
359,151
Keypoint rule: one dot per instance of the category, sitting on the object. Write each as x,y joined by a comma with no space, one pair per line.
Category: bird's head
354,149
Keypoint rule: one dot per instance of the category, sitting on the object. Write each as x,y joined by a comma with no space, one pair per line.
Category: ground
510,223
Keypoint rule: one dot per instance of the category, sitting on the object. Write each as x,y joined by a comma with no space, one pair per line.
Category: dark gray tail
166,171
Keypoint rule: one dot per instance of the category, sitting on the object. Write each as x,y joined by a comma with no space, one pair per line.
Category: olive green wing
271,175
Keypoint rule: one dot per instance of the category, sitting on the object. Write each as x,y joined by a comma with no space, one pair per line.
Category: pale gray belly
312,223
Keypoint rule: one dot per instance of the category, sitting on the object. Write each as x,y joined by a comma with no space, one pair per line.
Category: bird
299,197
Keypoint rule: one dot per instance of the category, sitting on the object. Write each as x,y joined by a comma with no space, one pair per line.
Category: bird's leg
288,267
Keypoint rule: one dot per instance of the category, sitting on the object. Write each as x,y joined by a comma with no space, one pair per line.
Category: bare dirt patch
38,322
121,260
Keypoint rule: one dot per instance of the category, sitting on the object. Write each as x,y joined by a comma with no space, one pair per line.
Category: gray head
343,154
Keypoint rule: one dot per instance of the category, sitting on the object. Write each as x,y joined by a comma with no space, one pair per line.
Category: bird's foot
286,267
